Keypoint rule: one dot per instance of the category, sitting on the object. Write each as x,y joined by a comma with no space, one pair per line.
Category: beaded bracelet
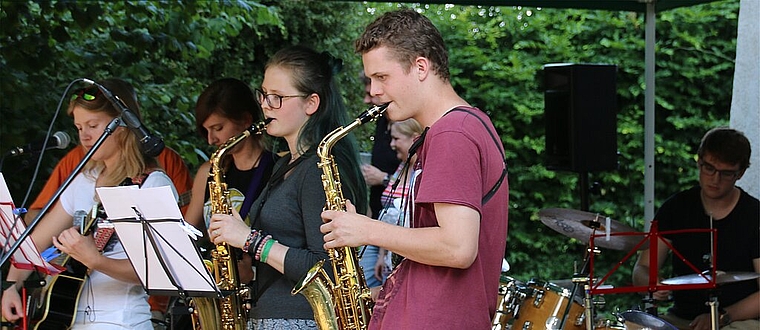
249,240
260,246
265,252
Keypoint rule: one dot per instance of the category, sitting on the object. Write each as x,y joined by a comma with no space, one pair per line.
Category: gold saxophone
346,304
228,312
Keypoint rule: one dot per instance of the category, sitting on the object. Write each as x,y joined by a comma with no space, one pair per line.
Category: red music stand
654,238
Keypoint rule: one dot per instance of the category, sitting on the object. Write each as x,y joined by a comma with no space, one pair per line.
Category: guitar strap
103,234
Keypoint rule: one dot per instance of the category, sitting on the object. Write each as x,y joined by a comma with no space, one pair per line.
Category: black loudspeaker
580,110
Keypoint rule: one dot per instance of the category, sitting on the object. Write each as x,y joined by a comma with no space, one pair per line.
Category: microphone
150,144
59,140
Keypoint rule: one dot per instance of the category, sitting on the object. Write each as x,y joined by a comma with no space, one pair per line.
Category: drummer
722,158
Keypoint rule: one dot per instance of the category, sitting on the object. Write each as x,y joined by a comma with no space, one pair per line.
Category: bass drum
512,293
544,307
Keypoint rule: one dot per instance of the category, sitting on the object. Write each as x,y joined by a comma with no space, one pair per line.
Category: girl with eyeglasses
111,295
299,95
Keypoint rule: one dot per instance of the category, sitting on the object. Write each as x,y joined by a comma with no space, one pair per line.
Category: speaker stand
584,190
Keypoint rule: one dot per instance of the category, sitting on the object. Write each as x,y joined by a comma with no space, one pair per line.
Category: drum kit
539,305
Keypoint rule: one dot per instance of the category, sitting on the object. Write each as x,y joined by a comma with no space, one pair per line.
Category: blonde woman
111,297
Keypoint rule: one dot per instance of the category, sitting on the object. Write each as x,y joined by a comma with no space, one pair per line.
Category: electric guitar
55,305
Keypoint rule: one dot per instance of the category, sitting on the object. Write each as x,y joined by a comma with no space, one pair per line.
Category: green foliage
171,50
168,50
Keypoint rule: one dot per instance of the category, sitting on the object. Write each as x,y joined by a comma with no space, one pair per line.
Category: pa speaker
580,111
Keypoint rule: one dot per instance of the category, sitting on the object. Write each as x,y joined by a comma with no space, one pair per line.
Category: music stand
11,228
159,247
654,237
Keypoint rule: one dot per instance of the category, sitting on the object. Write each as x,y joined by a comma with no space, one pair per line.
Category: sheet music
154,202
11,228
158,242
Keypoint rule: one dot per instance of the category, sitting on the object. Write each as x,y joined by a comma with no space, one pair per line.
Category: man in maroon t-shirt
455,237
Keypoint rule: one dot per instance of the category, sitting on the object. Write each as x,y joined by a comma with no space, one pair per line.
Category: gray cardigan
290,212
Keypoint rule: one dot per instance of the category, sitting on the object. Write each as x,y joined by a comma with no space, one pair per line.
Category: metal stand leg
649,306
589,312
714,315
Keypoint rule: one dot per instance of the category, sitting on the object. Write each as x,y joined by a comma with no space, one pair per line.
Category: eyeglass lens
711,170
273,100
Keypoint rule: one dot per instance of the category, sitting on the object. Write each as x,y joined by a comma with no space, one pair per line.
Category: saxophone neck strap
265,159
492,191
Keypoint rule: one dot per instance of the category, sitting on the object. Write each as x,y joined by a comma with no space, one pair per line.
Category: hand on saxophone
346,228
228,228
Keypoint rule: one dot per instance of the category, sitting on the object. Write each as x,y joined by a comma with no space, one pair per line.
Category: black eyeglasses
710,170
273,100
87,93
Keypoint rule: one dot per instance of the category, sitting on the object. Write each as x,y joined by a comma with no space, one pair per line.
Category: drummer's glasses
710,170
87,93
273,100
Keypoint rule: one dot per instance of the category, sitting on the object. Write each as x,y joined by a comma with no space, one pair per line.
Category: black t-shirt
738,243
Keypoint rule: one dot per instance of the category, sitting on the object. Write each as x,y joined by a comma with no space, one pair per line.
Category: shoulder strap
138,179
498,183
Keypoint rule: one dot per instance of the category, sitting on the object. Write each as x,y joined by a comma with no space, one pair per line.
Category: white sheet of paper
163,225
181,257
155,203
11,229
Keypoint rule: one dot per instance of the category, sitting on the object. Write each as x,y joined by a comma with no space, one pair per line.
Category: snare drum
511,295
544,307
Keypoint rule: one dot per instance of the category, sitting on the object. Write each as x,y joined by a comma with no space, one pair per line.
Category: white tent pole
649,116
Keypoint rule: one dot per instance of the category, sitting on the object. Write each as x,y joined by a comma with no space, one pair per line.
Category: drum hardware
544,307
582,226
650,305
512,294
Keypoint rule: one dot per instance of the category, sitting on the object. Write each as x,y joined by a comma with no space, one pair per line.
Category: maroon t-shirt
458,163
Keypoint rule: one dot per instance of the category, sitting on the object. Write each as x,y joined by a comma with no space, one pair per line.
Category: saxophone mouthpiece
268,120
373,113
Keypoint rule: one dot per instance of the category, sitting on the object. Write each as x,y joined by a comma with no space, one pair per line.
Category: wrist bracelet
265,251
8,284
724,318
249,240
260,246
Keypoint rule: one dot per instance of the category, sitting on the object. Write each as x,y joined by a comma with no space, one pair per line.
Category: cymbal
721,278
637,320
579,225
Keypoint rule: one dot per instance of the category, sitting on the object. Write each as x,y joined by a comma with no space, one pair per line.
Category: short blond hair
408,127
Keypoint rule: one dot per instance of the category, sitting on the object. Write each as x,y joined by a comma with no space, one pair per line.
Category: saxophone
346,304
228,312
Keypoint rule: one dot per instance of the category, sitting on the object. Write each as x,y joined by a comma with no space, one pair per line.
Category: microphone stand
112,126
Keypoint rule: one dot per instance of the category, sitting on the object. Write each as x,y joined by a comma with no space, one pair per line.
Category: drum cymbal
721,278
580,225
636,320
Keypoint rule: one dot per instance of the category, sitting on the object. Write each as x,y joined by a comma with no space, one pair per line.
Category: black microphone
150,144
59,140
